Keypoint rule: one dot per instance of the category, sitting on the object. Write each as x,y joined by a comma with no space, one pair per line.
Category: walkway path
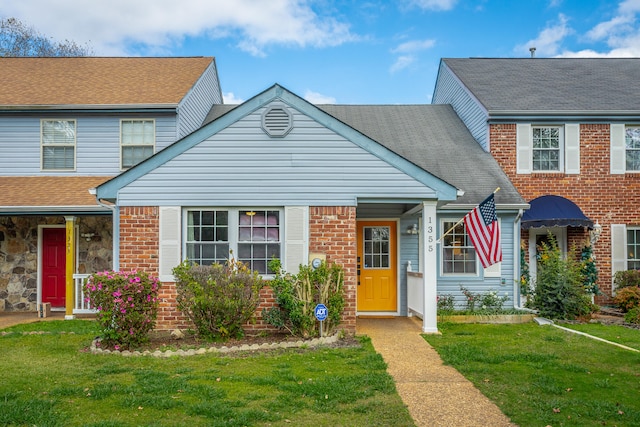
436,395
12,318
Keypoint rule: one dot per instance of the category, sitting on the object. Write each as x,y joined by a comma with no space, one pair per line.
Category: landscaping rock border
316,342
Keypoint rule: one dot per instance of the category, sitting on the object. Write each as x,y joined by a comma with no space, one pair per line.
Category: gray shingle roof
551,84
430,136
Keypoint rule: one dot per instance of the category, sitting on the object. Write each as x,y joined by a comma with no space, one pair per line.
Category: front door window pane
376,247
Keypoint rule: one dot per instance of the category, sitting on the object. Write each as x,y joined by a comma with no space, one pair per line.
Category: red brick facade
603,197
332,232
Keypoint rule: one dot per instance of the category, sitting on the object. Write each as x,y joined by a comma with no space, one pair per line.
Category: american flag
482,227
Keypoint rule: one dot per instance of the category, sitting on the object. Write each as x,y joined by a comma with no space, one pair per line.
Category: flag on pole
482,227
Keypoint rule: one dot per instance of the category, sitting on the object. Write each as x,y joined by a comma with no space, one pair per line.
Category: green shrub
127,304
483,303
626,278
218,299
446,304
633,315
628,298
297,295
559,291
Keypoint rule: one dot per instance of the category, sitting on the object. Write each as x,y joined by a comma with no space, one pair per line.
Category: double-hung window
547,148
458,254
252,236
58,144
137,141
633,248
632,147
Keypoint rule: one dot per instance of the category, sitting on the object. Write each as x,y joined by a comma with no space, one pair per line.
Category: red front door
53,266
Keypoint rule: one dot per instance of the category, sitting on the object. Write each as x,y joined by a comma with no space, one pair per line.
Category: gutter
516,260
115,223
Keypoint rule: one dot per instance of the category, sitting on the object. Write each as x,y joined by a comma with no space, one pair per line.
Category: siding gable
450,90
239,129
241,164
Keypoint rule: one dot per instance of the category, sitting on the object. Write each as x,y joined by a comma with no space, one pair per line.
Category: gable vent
277,121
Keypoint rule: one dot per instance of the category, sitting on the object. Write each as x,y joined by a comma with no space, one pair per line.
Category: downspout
115,219
516,257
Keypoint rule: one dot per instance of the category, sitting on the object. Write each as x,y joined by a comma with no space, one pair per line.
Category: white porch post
429,267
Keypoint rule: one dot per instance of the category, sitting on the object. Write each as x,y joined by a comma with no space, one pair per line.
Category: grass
541,375
47,380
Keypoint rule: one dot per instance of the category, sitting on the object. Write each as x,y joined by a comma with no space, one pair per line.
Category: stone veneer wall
603,197
332,232
19,255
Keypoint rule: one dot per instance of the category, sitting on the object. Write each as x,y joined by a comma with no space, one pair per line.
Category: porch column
70,297
429,264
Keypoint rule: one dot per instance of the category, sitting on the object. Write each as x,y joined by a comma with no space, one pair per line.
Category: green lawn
541,375
47,380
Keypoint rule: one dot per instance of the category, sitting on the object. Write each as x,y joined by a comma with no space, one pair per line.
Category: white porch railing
81,305
415,292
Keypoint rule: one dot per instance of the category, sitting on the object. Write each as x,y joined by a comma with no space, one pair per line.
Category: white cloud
230,98
414,46
548,42
433,4
620,34
111,27
407,53
318,98
402,62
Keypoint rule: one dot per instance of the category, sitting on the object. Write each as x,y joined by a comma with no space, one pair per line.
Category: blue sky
345,52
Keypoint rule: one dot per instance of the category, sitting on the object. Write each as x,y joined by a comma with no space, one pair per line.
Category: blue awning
554,211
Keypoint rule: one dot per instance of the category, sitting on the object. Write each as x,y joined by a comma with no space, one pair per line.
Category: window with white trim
632,147
58,144
458,254
137,141
253,236
633,248
547,148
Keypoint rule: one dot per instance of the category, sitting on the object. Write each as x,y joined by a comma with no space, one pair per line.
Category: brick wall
332,232
608,199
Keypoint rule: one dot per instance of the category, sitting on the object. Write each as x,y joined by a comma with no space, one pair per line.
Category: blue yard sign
321,312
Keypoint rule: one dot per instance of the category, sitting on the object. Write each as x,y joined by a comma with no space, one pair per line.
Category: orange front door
377,271
53,266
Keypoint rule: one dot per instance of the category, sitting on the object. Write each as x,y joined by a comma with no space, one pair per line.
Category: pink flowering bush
127,304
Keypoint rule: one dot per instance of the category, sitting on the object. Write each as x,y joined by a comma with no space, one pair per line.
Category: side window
258,238
547,148
58,144
458,253
633,246
632,148
207,236
137,141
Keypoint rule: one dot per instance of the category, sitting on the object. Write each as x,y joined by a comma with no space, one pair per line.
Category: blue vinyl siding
312,165
196,104
449,90
505,283
97,143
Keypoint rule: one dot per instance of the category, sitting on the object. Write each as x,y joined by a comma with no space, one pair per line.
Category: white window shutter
617,149
524,143
296,233
572,148
170,242
618,249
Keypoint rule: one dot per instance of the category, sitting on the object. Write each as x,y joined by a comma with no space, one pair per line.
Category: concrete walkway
436,395
12,318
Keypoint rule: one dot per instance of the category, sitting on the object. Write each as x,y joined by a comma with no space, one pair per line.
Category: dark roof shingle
551,84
